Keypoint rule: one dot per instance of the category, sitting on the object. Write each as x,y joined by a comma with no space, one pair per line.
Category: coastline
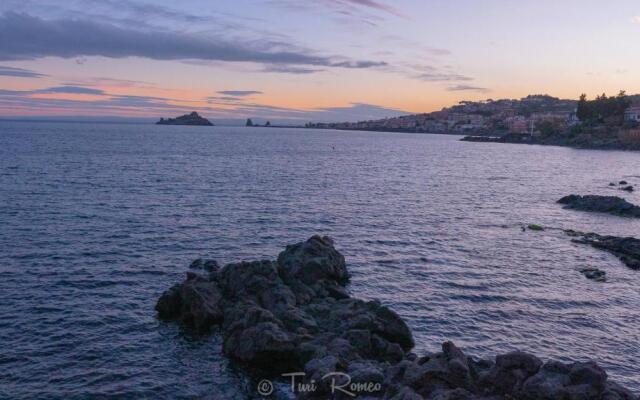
526,139
515,139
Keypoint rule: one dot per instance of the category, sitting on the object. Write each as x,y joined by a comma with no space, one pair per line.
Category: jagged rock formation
295,314
188,119
605,204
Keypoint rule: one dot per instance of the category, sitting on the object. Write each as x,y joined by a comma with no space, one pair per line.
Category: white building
572,118
632,114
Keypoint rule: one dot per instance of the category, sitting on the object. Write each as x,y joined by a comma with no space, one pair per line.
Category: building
518,124
632,114
553,117
572,118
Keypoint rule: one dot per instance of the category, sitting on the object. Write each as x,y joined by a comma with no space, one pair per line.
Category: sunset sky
297,60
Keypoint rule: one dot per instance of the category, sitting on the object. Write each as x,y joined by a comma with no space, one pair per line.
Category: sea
97,220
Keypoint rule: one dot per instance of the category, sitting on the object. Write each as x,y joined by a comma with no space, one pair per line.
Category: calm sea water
97,220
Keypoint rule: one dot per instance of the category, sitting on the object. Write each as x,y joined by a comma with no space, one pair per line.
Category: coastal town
534,115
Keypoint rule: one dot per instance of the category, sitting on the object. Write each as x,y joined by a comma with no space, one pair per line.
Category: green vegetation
603,109
549,129
541,103
535,227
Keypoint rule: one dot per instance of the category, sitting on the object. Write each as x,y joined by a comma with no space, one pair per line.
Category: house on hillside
517,124
572,118
632,114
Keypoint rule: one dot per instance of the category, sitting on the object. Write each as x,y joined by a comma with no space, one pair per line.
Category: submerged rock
627,249
535,227
605,204
628,188
595,274
295,314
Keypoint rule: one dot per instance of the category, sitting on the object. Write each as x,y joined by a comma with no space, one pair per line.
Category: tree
583,113
622,102
603,109
249,122
547,128
268,123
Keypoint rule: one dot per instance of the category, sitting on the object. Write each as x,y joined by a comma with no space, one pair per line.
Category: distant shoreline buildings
532,114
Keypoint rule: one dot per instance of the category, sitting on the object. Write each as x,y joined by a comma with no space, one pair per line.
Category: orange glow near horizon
314,63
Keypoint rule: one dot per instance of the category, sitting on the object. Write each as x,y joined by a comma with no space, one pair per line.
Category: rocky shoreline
575,142
294,315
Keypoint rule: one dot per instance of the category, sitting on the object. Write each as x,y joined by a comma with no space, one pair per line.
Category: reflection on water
97,220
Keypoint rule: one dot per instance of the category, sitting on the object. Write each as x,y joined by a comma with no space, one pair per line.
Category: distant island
187,119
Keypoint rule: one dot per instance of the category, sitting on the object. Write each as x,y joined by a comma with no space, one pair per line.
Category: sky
294,61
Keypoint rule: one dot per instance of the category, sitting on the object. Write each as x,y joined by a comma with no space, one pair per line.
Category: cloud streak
26,37
19,72
72,90
467,88
290,69
442,77
371,4
239,93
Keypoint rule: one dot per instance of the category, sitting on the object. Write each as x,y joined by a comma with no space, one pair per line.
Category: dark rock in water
628,188
622,183
295,314
627,249
483,139
594,274
187,119
280,315
612,184
535,227
606,204
452,375
206,265
510,372
195,302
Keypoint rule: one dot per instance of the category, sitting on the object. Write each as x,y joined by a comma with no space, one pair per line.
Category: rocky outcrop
605,204
451,375
188,119
295,315
627,249
282,314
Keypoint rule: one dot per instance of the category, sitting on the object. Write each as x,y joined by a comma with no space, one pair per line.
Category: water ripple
98,220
